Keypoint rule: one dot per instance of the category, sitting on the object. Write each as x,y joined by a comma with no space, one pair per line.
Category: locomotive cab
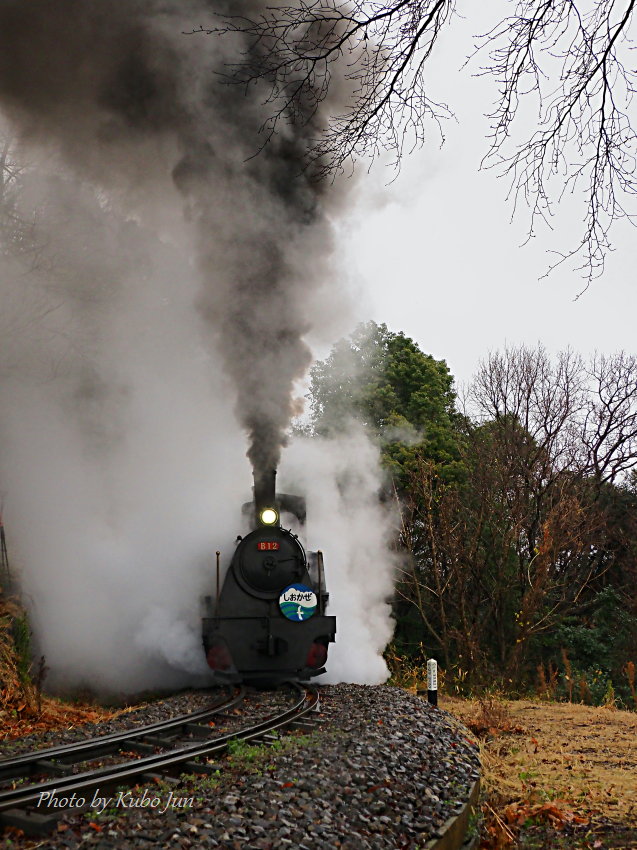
268,624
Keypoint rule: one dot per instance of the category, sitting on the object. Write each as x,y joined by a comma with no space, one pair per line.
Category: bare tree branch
378,52
354,73
584,136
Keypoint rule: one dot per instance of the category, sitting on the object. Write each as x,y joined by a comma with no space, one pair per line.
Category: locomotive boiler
267,623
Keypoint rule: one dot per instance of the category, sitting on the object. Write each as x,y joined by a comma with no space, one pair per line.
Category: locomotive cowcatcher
267,624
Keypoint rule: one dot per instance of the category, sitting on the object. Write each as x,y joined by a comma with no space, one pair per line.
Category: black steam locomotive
267,624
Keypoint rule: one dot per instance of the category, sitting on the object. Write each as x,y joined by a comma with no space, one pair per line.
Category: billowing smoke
120,456
128,99
148,228
346,520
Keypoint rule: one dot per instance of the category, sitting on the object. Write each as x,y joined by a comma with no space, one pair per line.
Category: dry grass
23,709
11,689
492,717
569,764
21,719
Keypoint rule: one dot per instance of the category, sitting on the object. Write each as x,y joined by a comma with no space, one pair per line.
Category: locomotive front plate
298,602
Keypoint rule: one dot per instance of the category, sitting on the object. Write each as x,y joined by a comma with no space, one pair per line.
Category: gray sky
435,254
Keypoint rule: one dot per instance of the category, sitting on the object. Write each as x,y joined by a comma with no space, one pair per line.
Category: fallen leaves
503,828
573,771
54,714
555,813
13,832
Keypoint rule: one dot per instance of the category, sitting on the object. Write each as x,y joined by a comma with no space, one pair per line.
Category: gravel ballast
385,770
255,705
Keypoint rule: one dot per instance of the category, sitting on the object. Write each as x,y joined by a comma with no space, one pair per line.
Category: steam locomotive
267,624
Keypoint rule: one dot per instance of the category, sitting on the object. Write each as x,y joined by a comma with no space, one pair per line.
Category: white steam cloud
156,293
120,455
342,478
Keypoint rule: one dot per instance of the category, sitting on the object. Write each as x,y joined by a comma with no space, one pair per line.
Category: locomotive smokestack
264,490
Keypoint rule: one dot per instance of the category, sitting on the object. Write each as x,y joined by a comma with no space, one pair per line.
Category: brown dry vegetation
20,718
554,774
23,708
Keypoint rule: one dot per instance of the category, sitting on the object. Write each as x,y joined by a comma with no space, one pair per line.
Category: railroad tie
267,738
55,768
198,731
140,747
161,777
202,767
303,725
157,741
30,822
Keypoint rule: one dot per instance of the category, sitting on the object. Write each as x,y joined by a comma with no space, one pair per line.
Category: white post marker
432,681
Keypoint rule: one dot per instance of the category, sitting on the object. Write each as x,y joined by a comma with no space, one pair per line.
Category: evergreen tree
404,397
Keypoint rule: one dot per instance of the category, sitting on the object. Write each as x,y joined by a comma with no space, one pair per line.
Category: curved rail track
59,760
19,805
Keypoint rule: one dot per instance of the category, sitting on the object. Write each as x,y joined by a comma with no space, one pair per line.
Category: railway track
59,760
21,806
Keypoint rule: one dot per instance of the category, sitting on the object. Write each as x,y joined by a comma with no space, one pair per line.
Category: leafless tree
528,538
580,417
17,231
609,428
570,58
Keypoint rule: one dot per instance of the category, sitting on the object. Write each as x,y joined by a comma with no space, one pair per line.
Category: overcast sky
435,254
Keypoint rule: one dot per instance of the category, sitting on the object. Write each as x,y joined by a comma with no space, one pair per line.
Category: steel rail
126,773
102,745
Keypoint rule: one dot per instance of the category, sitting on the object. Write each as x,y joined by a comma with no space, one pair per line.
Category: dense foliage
403,396
519,519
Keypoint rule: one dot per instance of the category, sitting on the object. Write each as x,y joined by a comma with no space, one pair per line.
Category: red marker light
317,656
218,657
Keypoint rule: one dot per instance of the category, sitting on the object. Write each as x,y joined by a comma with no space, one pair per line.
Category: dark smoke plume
130,102
138,217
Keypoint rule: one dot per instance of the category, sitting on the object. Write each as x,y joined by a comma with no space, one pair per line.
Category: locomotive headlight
269,516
